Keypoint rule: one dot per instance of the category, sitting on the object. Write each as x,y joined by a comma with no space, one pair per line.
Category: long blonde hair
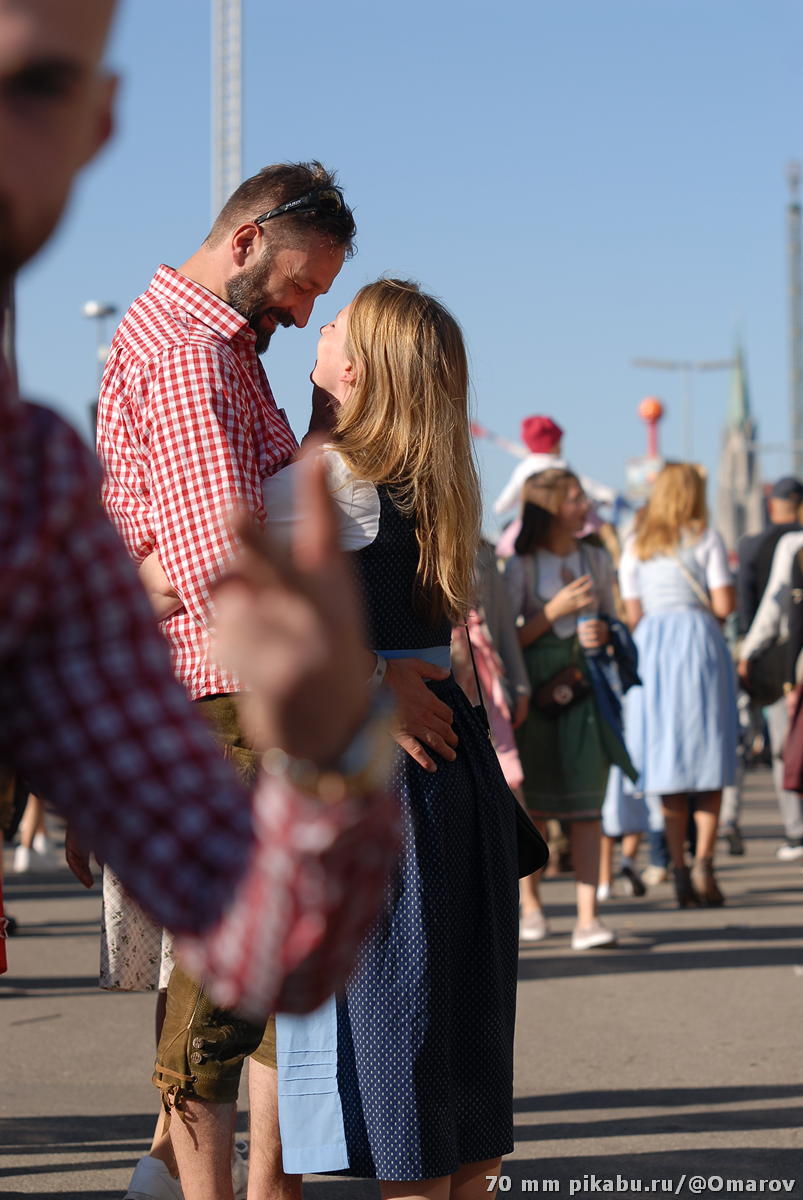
675,510
406,425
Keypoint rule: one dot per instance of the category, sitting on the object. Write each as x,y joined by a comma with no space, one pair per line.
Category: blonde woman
425,1029
681,725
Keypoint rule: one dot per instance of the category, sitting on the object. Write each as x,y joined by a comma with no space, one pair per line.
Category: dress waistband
439,656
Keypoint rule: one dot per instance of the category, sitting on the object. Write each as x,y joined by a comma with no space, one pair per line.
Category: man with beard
188,429
187,425
271,897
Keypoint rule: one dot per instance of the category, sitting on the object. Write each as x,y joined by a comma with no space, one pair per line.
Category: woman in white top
681,725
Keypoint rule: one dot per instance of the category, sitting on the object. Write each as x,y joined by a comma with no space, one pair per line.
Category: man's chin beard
263,340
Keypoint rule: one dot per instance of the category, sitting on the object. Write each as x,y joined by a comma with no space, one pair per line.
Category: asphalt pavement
673,1063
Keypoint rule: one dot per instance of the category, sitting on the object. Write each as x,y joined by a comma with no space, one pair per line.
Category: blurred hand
791,699
421,716
77,859
289,626
570,599
520,710
593,634
743,669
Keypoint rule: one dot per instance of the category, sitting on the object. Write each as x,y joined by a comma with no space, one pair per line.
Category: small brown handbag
559,693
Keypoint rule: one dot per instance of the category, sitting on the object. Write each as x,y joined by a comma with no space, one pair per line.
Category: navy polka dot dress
425,1030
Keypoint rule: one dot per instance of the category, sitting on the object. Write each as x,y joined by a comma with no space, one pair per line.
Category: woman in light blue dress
681,725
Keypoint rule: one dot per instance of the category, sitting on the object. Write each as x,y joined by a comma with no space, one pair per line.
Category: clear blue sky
582,181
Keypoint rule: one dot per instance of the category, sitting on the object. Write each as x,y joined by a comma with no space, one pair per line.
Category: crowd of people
269,673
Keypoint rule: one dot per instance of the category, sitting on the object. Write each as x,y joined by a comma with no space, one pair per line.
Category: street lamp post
98,311
687,370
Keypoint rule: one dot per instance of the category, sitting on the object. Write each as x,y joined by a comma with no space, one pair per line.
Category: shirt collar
199,302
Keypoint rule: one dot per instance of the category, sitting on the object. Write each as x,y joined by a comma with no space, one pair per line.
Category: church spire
739,416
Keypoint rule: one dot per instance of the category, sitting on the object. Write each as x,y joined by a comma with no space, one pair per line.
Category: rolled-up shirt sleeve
629,583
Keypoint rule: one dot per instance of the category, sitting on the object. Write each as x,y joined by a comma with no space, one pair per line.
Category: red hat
540,434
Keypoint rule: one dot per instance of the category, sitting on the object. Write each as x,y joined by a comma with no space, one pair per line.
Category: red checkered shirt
93,718
187,430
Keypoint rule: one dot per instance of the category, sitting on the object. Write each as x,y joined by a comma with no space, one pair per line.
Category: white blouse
356,500
533,580
659,582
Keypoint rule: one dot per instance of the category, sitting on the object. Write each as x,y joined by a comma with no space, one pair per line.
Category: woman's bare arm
633,612
723,601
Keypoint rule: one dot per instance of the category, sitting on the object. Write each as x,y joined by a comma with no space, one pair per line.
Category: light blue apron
310,1113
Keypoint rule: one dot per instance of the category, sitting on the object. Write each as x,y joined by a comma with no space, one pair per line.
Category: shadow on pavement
52,984
16,892
696,1123
30,1133
655,1097
638,958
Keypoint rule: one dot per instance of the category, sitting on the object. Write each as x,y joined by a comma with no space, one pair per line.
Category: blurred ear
349,375
104,125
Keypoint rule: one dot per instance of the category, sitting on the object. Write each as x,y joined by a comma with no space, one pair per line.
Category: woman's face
574,509
333,371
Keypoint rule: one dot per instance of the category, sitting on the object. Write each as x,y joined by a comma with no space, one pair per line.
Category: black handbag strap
482,711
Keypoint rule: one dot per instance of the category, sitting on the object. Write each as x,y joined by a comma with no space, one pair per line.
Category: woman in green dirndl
559,585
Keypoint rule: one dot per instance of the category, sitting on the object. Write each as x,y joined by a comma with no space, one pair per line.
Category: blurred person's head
541,435
395,361
55,113
675,512
553,503
785,501
276,245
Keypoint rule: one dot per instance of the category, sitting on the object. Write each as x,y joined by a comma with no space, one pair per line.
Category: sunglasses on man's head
328,201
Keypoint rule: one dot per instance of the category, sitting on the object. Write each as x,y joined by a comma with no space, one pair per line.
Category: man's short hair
275,185
788,488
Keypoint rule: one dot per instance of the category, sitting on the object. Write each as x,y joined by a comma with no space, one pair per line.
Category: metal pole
795,363
688,431
226,100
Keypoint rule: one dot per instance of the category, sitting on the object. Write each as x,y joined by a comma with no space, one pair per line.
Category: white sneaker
653,875
22,860
533,927
27,859
41,843
152,1181
604,892
239,1170
789,852
592,936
